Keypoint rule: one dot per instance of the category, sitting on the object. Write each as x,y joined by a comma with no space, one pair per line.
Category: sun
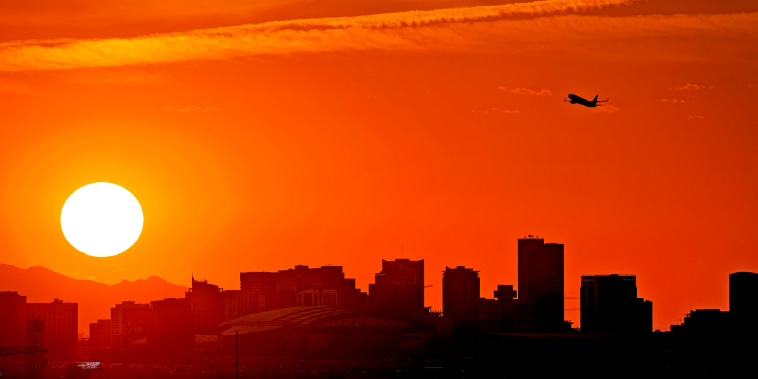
101,219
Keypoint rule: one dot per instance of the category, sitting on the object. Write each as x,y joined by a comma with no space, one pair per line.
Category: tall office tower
609,304
540,285
61,323
12,319
460,294
129,322
743,299
399,288
301,286
206,303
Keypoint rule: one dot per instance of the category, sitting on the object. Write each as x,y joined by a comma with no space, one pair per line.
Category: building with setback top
399,288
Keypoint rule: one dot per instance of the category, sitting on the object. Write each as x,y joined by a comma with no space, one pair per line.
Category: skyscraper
539,307
399,288
609,304
206,303
743,299
460,294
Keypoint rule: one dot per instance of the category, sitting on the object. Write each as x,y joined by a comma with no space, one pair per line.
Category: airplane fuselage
580,100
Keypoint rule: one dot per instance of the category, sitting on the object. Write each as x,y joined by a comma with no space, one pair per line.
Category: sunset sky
258,135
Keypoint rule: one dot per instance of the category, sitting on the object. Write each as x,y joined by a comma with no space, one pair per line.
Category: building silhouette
496,315
743,299
170,332
61,323
460,294
206,305
539,307
399,288
609,304
129,323
100,333
12,319
235,303
301,286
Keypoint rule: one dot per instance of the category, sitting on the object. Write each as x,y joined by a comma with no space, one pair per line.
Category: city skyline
609,303
568,309
315,317
257,136
538,265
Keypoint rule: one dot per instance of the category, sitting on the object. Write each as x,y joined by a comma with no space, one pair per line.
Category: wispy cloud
698,117
689,87
606,108
676,101
464,27
526,91
328,34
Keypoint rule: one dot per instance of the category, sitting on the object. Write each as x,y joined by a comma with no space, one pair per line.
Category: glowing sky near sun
261,135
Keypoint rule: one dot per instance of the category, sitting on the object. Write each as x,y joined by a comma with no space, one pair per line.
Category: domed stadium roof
306,317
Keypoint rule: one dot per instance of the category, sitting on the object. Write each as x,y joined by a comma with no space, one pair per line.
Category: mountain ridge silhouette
41,285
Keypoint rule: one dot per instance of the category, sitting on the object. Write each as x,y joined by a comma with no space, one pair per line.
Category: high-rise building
460,294
743,293
609,304
129,322
301,286
12,319
539,307
61,323
399,288
743,300
206,304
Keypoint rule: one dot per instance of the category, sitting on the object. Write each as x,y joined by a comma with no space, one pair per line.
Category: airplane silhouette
579,100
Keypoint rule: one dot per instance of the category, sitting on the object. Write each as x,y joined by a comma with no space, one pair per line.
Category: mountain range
95,299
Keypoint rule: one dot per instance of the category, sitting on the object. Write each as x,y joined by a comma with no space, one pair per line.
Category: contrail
390,30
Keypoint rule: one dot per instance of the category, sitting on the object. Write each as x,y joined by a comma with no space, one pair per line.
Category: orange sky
257,137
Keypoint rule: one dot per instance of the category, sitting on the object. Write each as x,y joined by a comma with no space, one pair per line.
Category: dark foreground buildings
743,299
177,338
609,304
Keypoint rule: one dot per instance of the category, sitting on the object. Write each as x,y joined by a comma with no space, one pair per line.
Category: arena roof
313,316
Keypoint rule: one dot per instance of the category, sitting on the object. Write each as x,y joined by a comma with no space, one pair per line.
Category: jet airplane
579,100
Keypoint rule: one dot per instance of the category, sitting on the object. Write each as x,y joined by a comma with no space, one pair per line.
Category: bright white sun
101,219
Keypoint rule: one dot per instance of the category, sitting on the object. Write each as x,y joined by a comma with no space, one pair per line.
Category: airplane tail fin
595,99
